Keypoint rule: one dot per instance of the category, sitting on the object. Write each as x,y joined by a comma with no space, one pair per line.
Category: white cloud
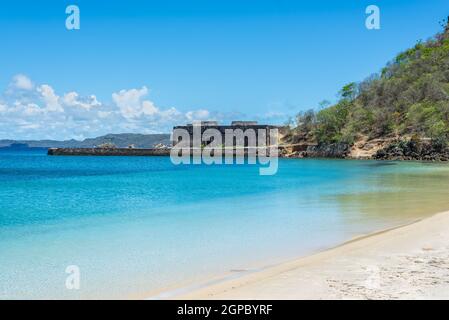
149,108
198,115
32,126
32,109
21,81
129,101
104,114
40,113
50,98
72,99
132,107
170,113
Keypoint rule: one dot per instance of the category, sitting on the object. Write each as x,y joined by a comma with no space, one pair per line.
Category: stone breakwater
107,152
146,152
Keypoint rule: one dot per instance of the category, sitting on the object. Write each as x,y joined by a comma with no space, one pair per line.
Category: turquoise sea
136,226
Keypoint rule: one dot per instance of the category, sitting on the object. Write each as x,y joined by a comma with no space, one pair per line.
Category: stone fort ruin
240,131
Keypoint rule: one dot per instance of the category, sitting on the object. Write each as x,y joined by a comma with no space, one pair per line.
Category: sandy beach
408,262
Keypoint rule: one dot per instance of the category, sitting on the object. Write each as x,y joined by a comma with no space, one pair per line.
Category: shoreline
410,261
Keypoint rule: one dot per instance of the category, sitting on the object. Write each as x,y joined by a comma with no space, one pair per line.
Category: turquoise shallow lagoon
136,225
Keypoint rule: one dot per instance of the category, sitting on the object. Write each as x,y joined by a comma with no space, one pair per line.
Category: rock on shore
413,150
377,149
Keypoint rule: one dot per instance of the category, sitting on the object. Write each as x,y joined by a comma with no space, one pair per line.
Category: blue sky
143,66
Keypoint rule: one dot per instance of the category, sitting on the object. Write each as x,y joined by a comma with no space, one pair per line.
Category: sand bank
409,262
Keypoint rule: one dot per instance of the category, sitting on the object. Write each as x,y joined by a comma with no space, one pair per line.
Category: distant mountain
120,140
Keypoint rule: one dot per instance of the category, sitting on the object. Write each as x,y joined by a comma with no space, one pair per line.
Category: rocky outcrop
334,150
378,149
414,150
366,148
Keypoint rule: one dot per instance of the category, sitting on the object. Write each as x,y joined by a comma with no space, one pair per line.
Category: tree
349,91
305,120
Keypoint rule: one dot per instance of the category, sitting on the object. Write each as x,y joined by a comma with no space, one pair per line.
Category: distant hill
120,140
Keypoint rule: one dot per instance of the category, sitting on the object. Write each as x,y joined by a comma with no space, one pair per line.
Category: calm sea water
135,225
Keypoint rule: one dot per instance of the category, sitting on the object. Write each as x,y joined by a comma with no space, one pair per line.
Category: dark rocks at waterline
411,150
399,150
334,150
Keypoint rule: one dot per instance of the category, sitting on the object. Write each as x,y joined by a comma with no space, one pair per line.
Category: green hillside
409,97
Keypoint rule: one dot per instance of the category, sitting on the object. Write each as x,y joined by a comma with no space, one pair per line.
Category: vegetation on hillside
409,97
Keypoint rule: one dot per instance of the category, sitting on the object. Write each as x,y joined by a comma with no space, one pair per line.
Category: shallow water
134,225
